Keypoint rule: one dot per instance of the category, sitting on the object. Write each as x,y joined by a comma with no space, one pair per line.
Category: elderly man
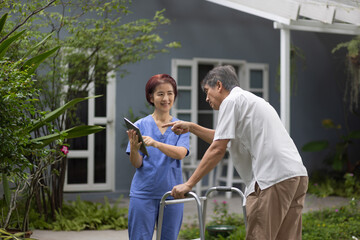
263,153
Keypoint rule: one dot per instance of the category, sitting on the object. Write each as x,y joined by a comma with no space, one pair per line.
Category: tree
92,33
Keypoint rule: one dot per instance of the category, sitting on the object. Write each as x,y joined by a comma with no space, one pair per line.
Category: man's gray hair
225,74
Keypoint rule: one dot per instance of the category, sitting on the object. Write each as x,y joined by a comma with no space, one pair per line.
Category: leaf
3,231
337,164
51,116
78,131
315,146
33,63
37,45
328,123
2,21
19,234
5,44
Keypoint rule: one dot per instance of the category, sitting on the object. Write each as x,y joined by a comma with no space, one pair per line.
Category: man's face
213,96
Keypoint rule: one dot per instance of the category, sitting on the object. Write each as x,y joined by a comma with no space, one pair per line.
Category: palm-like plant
19,120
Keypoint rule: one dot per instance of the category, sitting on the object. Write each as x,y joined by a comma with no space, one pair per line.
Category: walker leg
189,197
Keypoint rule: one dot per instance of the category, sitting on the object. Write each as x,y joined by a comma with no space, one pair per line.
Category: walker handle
223,189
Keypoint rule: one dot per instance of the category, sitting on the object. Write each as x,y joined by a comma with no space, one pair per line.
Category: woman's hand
135,157
134,140
149,141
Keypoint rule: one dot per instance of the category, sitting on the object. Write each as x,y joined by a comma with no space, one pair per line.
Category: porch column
285,77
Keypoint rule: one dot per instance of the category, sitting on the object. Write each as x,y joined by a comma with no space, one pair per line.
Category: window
91,159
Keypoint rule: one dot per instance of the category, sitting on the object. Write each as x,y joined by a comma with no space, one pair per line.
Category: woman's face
163,97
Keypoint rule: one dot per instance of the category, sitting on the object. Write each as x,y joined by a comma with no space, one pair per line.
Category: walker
191,196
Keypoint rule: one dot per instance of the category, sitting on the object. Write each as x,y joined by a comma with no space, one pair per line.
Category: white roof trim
317,11
332,16
315,26
329,11
348,15
275,10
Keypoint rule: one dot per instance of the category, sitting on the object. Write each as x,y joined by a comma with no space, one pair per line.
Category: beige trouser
275,212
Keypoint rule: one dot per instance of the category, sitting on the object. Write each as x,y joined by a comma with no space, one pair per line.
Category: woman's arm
174,152
135,157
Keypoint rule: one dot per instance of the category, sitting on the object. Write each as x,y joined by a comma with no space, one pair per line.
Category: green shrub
322,188
323,185
189,231
331,223
84,215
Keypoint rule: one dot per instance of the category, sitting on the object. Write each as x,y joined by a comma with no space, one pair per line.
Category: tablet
129,126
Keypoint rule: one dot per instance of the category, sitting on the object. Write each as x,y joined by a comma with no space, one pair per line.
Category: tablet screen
129,126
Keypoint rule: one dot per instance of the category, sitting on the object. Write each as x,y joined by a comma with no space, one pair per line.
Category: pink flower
224,202
336,210
215,201
65,150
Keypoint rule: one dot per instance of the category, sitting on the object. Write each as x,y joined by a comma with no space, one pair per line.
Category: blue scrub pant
143,215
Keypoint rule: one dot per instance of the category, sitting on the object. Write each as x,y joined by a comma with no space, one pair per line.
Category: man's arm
209,161
180,127
205,134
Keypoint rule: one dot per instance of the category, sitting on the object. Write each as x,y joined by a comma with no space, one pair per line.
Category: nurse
160,171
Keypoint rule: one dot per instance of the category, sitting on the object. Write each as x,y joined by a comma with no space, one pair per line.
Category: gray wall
211,31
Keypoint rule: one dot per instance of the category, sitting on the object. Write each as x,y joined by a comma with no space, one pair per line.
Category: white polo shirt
261,148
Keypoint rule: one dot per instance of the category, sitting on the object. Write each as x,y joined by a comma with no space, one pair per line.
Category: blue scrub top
158,173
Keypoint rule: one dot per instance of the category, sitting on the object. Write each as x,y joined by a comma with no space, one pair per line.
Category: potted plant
338,158
223,224
352,85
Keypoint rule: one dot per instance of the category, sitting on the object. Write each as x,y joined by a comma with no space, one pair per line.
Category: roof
331,16
328,16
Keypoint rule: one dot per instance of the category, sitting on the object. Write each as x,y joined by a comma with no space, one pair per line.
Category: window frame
110,124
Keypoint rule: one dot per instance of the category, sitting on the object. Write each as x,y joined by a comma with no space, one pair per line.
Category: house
212,34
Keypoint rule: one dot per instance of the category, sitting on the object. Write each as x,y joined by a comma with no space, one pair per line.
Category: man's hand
178,127
180,190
